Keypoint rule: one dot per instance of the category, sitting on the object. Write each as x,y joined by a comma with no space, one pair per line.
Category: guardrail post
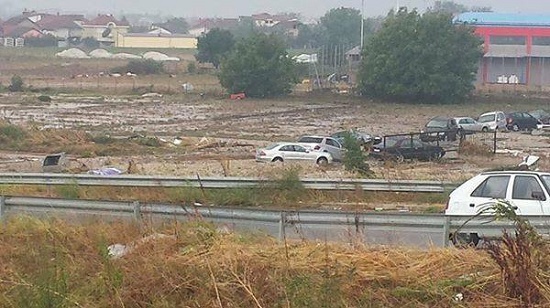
2,207
446,227
137,211
282,224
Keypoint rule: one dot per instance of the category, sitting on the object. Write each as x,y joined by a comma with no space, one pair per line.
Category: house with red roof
105,28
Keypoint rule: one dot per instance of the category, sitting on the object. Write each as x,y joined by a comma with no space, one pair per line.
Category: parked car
404,147
280,152
468,125
362,138
439,129
517,121
528,191
323,144
541,115
492,121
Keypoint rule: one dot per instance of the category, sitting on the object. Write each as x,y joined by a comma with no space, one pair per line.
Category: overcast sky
234,8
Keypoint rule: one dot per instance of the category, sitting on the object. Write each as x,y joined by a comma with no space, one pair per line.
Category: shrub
45,41
354,158
45,98
90,43
11,134
144,67
16,84
191,68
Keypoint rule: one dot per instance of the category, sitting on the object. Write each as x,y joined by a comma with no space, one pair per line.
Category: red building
516,47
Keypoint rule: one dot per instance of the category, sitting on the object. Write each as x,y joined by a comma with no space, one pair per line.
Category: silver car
493,120
323,144
468,125
280,152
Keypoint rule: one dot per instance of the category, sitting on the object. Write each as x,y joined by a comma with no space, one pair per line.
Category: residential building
105,28
63,27
204,25
516,47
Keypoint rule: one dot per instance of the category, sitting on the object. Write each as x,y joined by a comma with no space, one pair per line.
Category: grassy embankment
54,264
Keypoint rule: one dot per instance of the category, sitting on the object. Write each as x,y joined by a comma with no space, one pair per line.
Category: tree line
409,57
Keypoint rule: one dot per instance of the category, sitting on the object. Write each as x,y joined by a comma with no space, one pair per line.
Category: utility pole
362,23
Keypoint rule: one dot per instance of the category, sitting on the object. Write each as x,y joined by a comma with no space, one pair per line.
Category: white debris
152,94
158,56
187,87
177,141
73,53
124,55
458,297
100,54
116,251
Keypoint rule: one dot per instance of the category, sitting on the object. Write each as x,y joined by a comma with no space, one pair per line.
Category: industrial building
516,47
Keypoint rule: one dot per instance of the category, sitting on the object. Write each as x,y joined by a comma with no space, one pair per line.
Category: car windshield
271,146
437,123
486,118
311,140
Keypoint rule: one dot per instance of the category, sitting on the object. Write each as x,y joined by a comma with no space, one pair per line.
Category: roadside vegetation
49,263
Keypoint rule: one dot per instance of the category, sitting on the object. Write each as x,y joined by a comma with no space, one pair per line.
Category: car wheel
277,160
436,156
515,127
485,129
399,158
463,240
322,161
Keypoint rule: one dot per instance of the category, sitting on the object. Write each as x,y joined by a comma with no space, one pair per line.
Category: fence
409,229
220,182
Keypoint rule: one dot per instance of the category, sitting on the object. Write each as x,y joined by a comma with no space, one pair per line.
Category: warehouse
516,47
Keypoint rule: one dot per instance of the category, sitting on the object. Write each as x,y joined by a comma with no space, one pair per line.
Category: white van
491,121
527,191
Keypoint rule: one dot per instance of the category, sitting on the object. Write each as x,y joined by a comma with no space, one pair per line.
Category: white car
492,121
323,144
527,191
280,152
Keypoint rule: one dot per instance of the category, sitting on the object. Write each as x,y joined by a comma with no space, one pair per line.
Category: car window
440,123
493,187
527,188
333,143
546,181
470,121
391,142
500,117
463,121
287,148
307,139
417,143
299,148
486,118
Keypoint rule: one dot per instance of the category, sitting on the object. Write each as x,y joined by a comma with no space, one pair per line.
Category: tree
449,7
260,67
214,45
420,58
341,26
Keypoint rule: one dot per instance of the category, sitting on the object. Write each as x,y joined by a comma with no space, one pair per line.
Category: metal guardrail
367,227
220,182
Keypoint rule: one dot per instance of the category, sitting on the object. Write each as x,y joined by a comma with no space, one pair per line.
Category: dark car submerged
401,148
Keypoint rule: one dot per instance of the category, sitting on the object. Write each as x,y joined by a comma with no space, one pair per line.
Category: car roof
491,112
463,117
510,172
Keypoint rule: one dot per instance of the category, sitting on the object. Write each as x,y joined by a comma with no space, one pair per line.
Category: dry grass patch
51,263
